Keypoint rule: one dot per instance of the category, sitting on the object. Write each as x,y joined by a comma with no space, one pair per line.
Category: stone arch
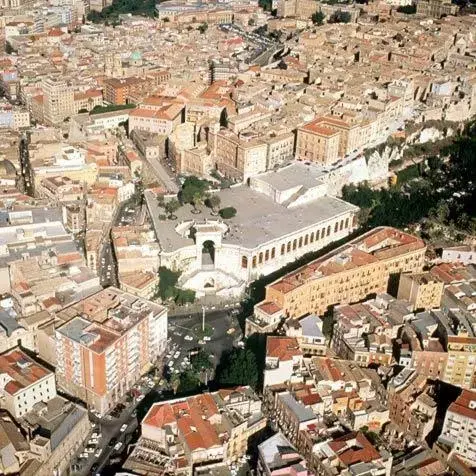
208,253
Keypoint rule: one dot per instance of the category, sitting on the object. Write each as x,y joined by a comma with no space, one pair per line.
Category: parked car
207,339
98,453
118,446
123,428
188,338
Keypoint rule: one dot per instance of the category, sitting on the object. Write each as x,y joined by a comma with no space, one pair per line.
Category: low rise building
350,454
191,435
23,383
283,360
365,332
411,403
277,455
424,291
308,332
58,428
465,254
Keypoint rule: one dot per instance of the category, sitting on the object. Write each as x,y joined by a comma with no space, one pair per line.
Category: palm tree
214,203
171,207
197,201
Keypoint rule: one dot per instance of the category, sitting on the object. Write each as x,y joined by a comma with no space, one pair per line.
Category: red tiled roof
283,348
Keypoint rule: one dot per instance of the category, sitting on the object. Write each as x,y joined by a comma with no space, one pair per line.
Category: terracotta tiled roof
282,348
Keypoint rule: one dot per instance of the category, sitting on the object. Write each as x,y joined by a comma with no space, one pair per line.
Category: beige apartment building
436,8
461,365
58,101
424,290
236,157
317,143
23,383
348,274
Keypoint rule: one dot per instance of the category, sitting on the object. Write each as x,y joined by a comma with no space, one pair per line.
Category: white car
207,339
177,354
90,450
84,455
188,338
98,453
118,446
123,428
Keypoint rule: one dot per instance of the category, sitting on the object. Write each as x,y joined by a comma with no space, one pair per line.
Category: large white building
276,223
23,383
459,429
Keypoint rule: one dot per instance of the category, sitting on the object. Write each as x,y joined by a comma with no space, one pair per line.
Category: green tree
407,9
227,213
213,202
167,281
201,361
197,200
340,17
266,5
171,207
191,187
183,296
318,18
238,367
189,382
203,28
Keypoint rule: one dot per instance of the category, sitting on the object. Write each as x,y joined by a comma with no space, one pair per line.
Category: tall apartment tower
58,101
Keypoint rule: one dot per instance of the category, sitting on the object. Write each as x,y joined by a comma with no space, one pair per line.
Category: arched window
260,258
306,240
289,247
244,262
283,249
273,253
253,264
328,230
341,225
317,235
294,244
312,237
266,255
347,223
300,242
336,227
323,233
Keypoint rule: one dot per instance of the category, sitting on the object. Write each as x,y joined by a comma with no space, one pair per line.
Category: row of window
295,244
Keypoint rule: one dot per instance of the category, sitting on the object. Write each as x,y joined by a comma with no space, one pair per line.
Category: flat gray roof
302,413
296,174
310,326
258,219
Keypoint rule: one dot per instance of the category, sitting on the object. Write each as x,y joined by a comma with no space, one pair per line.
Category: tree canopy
118,7
441,189
238,367
340,17
192,188
318,18
227,213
